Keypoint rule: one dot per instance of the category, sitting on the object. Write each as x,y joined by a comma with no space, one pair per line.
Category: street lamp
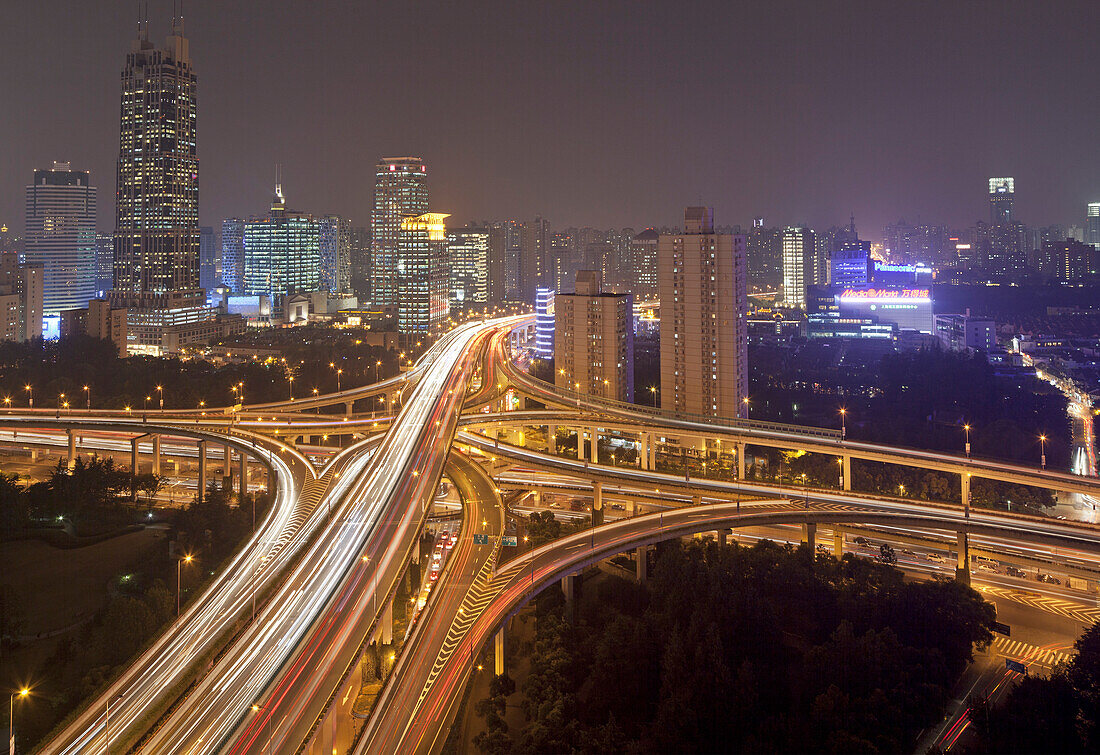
88,394
60,399
1043,451
843,426
967,429
653,395
160,393
179,563
145,409
377,364
30,395
290,379
22,693
745,402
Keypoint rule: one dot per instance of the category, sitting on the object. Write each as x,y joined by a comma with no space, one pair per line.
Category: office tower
400,191
209,259
283,251
422,272
1092,224
104,263
534,258
359,261
468,257
496,263
1001,193
764,257
22,290
563,259
233,254
798,265
157,205
703,287
850,264
513,252
829,242
335,263
60,236
544,323
594,340
644,265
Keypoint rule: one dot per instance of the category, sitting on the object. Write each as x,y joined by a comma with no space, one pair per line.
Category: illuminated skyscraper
468,260
60,236
798,265
422,272
1001,193
702,281
400,191
1092,225
233,254
157,201
643,265
544,323
210,263
283,251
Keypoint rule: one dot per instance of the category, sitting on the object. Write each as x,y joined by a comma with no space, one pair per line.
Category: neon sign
885,294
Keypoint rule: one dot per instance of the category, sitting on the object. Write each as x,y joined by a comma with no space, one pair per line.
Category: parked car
1014,571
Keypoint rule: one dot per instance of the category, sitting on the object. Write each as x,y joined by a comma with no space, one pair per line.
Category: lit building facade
544,323
1092,224
644,264
850,264
422,272
966,332
703,286
233,254
1002,192
283,252
60,236
798,265
21,296
594,340
210,262
400,191
468,260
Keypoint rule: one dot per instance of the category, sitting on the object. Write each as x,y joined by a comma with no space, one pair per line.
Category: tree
886,554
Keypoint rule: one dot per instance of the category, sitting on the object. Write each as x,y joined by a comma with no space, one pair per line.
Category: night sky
589,113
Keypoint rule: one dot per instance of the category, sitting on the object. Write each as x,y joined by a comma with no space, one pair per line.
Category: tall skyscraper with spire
400,192
157,199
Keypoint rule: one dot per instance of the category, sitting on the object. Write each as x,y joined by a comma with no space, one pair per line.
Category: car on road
1050,579
1015,571
937,558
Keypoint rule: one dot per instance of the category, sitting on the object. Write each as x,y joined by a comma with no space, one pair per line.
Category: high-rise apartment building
157,201
422,272
594,340
233,254
513,252
21,297
400,192
764,256
496,262
544,323
535,268
799,252
643,255
702,281
563,259
60,236
1001,194
104,263
468,259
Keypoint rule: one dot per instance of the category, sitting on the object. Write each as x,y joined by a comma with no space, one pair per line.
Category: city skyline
902,131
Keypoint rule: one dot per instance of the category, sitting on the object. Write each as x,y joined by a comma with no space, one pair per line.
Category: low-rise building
966,332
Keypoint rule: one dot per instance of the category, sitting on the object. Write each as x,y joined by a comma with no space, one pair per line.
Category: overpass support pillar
809,535
838,543
846,471
134,458
156,454
641,563
697,500
643,451
71,460
965,498
741,460
721,537
595,446
348,406
227,480
387,623
597,504
498,652
202,469
242,483
568,585
962,566
552,438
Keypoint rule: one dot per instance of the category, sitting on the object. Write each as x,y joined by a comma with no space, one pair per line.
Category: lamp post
160,395
745,403
843,426
653,395
1043,451
60,399
377,364
290,380
30,395
967,429
88,395
22,693
179,563
145,409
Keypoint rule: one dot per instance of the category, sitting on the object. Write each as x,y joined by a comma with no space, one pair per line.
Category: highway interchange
328,555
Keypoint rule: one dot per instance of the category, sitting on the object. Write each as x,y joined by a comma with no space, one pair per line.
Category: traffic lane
395,725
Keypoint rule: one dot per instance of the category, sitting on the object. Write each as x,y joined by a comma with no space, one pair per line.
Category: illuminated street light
88,394
21,694
179,563
843,426
967,429
30,395
160,392
1043,451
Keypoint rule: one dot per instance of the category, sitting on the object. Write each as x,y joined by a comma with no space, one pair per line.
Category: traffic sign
511,540
1016,666
481,539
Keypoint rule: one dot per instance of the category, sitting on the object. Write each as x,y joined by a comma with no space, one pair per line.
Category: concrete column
156,454
348,405
242,484
962,565
965,488
847,471
741,460
838,543
721,534
597,504
72,448
697,500
498,652
568,584
552,438
595,445
134,464
202,469
643,450
809,534
641,563
387,623
536,497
